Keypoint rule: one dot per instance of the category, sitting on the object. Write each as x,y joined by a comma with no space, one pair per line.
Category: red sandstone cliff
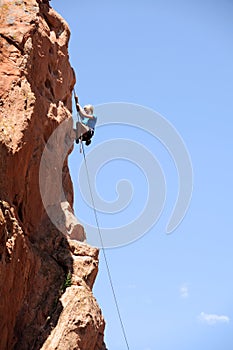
46,276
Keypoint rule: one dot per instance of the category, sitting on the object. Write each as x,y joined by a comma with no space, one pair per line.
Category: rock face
46,270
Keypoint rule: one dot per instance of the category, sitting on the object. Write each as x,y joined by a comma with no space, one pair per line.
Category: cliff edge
46,274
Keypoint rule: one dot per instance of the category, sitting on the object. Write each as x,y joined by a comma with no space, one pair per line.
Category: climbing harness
82,150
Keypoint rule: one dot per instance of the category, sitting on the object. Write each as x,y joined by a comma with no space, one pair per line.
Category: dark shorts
88,135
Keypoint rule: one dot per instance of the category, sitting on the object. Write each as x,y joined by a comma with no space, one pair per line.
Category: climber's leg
81,129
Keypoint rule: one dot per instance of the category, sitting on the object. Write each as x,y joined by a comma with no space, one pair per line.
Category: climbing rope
101,241
79,119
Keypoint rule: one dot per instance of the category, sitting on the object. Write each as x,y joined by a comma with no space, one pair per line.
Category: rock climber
85,130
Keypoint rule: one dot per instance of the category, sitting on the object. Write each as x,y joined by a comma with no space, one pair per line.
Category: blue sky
175,57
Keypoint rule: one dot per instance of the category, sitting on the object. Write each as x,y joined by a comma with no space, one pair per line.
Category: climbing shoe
88,142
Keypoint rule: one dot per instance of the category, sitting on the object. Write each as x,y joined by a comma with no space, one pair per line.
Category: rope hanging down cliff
100,235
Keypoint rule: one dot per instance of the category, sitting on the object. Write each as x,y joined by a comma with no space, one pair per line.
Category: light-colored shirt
90,122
